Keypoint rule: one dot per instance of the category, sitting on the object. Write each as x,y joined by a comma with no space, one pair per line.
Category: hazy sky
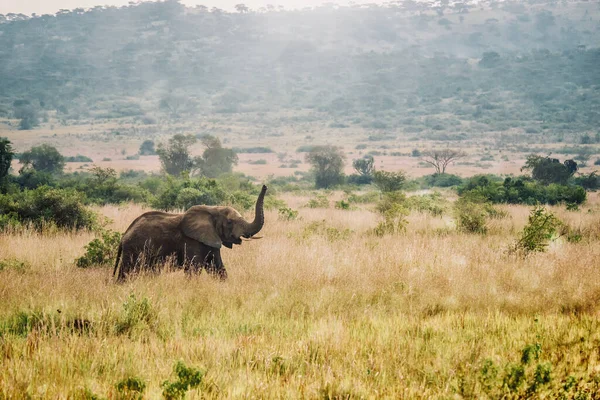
51,6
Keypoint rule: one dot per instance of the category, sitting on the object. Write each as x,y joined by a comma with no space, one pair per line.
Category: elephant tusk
256,237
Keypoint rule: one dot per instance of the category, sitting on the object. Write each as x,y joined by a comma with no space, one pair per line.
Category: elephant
193,239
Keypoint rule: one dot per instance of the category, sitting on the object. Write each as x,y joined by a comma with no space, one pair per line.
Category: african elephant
193,239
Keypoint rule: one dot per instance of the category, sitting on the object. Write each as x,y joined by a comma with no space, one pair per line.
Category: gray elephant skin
193,239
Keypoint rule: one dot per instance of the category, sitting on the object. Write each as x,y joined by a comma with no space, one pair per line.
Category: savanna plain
318,308
379,274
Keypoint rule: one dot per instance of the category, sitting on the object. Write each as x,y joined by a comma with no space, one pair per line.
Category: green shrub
389,181
433,204
442,180
45,206
320,228
307,148
541,227
258,162
187,378
78,158
195,191
521,191
320,201
287,214
392,208
342,205
252,150
131,388
100,251
14,264
369,197
137,315
473,214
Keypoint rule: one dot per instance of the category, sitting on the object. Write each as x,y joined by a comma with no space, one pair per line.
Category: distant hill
467,66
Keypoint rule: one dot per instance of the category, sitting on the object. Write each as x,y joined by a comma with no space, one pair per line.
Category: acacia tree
328,165
440,159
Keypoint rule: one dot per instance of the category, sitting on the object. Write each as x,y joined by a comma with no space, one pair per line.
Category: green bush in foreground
131,388
541,227
187,378
100,251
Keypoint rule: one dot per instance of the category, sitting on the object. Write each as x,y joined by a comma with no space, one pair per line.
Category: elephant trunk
259,215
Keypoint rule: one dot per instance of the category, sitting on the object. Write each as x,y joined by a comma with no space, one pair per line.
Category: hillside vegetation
466,67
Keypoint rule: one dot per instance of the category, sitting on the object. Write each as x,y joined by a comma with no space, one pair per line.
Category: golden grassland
313,310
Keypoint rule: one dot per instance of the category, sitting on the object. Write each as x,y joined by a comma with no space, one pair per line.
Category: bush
320,201
147,148
252,150
46,206
589,181
138,315
44,158
392,209
287,214
521,191
356,179
342,205
201,191
473,214
307,148
542,225
78,158
258,162
131,388
389,181
433,204
442,180
100,251
187,378
370,197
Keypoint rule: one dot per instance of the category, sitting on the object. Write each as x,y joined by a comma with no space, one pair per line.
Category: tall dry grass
319,308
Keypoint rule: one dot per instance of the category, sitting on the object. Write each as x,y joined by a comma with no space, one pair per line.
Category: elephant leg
126,265
216,267
195,257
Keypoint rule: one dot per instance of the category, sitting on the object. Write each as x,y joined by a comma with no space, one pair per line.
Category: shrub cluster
521,191
46,206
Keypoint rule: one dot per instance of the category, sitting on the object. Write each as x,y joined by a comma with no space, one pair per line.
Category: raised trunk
259,215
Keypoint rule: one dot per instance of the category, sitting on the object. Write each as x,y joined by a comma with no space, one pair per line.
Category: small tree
147,148
328,165
389,181
440,159
364,166
175,157
44,158
27,113
549,170
6,156
216,159
541,227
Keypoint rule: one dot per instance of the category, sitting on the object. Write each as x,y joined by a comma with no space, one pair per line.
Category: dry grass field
319,308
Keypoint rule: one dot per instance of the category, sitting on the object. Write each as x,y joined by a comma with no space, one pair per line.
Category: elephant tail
119,252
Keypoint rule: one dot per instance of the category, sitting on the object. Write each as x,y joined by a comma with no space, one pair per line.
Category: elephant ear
198,223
